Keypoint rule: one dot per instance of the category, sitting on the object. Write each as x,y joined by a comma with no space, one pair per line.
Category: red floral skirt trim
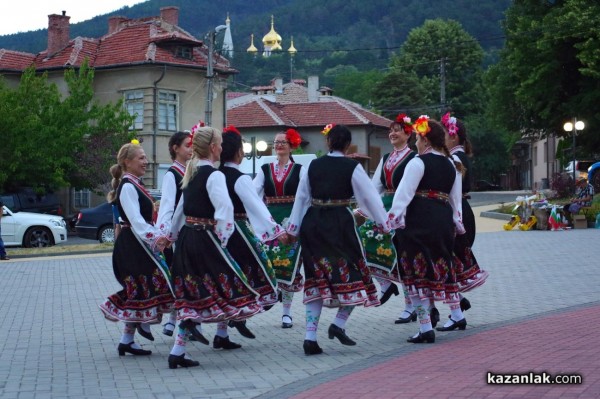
210,310
115,308
296,285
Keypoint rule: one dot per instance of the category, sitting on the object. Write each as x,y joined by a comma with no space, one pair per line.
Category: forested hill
372,29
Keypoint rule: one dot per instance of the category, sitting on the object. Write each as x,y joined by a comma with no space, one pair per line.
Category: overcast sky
26,15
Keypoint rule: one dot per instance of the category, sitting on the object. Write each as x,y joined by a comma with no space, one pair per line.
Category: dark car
96,223
27,200
484,185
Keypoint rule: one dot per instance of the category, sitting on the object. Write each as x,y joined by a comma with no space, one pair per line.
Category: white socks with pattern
313,313
342,316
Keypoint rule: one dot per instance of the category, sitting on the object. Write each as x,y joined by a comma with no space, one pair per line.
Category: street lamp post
211,36
574,127
252,150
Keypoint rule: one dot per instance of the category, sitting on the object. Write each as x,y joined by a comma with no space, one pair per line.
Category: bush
562,185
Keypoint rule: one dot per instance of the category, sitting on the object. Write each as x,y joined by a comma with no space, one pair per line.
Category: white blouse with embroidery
129,200
415,169
219,197
259,179
263,224
167,199
394,157
367,197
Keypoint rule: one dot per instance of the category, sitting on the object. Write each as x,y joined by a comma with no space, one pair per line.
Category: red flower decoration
231,129
327,128
293,137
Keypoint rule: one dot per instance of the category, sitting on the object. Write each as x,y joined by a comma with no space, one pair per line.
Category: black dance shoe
434,315
126,348
465,304
181,361
224,343
311,348
285,324
428,337
461,325
392,289
242,329
404,320
340,333
167,331
191,327
146,334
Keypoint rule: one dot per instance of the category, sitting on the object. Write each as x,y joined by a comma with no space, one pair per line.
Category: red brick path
564,343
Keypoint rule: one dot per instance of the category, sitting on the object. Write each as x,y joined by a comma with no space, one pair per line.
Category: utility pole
211,36
442,85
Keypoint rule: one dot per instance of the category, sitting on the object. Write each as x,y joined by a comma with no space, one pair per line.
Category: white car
32,229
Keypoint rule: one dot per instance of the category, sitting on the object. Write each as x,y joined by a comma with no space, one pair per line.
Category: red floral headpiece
293,137
450,123
421,125
327,128
194,130
231,129
404,121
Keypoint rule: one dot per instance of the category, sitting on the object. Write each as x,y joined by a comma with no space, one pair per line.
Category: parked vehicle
27,200
32,229
594,176
484,185
96,223
581,168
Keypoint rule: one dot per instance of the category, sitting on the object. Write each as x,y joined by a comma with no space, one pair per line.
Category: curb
16,256
495,215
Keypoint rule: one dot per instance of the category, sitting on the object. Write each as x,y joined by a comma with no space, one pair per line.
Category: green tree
51,142
416,69
549,71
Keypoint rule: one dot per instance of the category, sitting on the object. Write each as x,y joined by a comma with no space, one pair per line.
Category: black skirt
145,295
209,284
334,260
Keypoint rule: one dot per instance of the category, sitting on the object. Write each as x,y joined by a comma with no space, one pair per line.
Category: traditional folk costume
334,262
278,186
170,195
426,211
145,295
468,273
386,179
254,226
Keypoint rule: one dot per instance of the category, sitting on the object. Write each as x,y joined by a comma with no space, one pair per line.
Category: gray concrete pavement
54,342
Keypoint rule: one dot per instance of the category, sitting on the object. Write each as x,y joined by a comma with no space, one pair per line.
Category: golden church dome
252,48
272,39
292,50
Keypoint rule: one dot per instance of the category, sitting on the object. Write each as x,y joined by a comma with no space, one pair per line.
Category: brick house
156,67
276,107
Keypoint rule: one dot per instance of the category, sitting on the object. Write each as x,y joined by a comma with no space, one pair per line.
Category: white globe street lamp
574,127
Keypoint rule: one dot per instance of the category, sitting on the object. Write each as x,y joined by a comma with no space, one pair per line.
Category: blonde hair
203,137
127,152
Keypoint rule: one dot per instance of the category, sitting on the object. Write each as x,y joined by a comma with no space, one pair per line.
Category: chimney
313,89
58,32
115,23
278,85
170,15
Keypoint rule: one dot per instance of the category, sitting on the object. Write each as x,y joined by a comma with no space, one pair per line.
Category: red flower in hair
327,128
194,130
404,121
231,129
293,137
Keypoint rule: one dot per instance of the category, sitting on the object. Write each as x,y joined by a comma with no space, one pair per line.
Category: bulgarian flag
554,220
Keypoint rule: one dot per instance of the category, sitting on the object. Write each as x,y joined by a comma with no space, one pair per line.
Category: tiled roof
137,41
296,111
15,60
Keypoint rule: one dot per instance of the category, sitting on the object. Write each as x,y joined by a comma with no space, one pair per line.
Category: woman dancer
209,285
254,226
278,182
426,212
180,150
334,264
386,179
145,295
468,273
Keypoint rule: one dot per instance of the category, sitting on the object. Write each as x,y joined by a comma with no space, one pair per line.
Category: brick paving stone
54,342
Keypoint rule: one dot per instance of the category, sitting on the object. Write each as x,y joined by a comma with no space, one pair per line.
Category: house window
167,111
183,52
535,155
134,103
81,198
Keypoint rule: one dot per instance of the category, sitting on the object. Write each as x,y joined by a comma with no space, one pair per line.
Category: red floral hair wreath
293,137
231,129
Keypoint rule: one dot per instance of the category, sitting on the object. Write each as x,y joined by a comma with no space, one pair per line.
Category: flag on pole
554,220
